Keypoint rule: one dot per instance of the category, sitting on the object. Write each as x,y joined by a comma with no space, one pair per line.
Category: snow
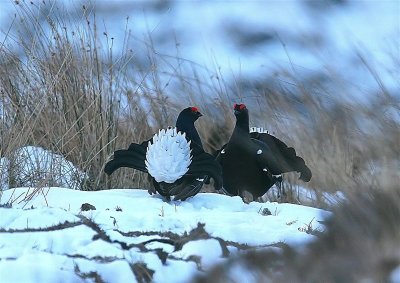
307,196
34,218
395,275
34,166
45,267
209,257
49,237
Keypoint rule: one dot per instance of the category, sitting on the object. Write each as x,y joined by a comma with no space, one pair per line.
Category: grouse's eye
194,109
239,106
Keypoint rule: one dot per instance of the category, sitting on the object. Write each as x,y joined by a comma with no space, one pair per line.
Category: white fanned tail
168,155
258,130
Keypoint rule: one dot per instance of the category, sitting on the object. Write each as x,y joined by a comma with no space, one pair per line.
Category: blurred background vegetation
69,85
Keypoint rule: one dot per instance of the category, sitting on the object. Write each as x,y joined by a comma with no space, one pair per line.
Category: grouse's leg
153,189
278,182
247,197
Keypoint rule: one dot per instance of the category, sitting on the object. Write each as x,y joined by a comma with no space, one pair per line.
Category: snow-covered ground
48,236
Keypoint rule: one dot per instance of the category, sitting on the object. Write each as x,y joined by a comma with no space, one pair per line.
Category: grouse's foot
259,199
278,182
152,191
278,178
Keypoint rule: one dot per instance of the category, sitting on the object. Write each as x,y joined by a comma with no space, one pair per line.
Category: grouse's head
190,114
240,109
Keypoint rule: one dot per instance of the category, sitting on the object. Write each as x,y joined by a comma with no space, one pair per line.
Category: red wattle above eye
240,106
194,109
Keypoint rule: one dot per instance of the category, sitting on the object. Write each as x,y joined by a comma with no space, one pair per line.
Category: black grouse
174,159
253,162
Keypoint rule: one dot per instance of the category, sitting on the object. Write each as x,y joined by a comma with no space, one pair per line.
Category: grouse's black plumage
185,124
252,161
202,167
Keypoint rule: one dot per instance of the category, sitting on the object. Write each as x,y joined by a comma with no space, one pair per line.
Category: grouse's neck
241,130
188,127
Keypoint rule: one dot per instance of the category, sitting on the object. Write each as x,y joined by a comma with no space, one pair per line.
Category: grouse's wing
217,153
277,157
133,157
204,164
269,140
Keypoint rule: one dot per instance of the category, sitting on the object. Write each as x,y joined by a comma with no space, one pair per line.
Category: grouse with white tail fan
253,162
174,159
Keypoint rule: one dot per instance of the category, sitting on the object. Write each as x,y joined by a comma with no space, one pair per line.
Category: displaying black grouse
174,159
253,162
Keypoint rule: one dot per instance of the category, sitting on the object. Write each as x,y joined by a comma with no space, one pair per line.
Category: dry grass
68,91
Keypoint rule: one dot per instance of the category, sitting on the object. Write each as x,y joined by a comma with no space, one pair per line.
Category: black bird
174,159
253,162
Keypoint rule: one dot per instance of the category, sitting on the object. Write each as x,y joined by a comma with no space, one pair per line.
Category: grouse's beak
199,114
236,112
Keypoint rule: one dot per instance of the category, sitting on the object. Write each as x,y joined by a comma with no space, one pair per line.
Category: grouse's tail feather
133,157
292,162
305,172
281,158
